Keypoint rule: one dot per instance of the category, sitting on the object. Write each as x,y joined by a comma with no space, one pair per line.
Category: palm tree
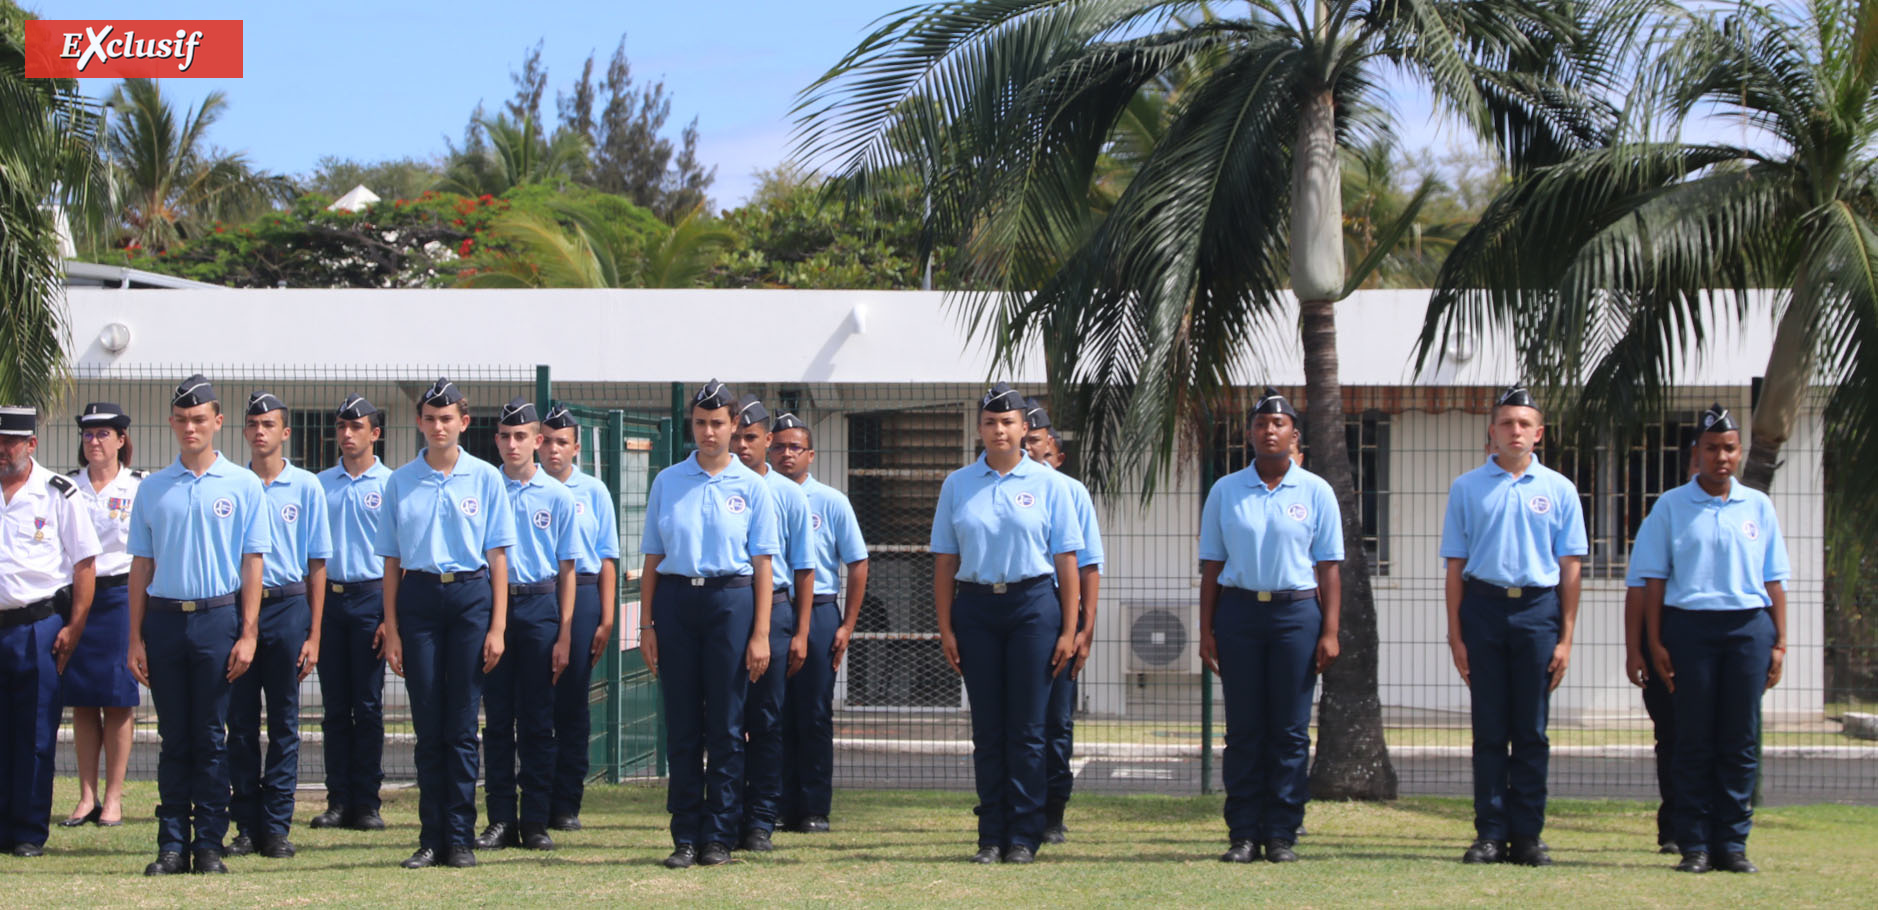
171,183
514,155
1631,255
587,252
1004,108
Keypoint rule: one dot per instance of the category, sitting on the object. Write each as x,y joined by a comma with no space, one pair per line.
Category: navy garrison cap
1002,397
194,391
518,412
559,418
750,410
788,421
1516,396
262,402
355,407
18,421
1035,417
441,393
1717,420
104,414
1270,402
713,395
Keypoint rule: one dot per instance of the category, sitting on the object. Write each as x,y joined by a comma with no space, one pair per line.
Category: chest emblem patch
223,507
736,504
290,513
373,501
1298,511
1539,505
1024,500
815,521
542,519
470,506
1751,530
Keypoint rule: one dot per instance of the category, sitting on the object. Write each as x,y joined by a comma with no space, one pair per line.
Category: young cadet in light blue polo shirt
1658,703
1714,568
197,540
1043,444
596,588
293,598
352,673
792,599
711,531
519,712
445,535
1271,540
1513,538
808,708
1003,528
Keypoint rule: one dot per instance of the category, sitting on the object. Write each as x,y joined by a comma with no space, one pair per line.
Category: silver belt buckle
697,582
187,606
1265,597
999,587
1515,593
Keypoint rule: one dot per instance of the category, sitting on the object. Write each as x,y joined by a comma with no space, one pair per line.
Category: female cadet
97,683
711,529
1713,566
1004,526
446,613
1271,538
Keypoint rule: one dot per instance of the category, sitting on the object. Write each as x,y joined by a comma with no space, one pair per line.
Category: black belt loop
112,581
713,582
290,589
451,578
31,613
531,588
172,605
1489,589
1002,587
367,586
1265,597
821,599
586,579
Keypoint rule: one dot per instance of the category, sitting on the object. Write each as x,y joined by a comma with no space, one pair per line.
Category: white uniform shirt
43,532
110,516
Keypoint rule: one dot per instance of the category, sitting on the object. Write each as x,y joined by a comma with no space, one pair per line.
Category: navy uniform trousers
187,654
702,633
1005,642
1509,643
262,802
1721,658
29,717
352,688
519,712
1661,707
442,627
809,721
763,722
1059,738
573,720
1266,672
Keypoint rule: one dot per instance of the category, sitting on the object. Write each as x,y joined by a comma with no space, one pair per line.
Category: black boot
1053,830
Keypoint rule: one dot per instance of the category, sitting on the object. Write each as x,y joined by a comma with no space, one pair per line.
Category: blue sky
375,80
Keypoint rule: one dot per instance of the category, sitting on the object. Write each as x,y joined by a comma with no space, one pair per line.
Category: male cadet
809,703
49,542
198,537
792,573
1512,538
596,585
518,701
352,672
293,593
1059,721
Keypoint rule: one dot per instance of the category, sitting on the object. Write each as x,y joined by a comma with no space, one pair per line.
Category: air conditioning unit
1162,636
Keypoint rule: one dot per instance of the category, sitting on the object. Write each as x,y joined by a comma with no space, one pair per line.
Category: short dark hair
806,432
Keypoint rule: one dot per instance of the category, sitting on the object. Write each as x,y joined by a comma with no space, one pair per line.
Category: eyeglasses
97,435
788,448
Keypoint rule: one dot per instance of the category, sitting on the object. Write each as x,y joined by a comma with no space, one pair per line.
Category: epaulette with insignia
63,484
139,473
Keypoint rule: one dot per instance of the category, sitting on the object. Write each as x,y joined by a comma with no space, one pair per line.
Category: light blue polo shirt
704,526
596,521
798,540
545,527
1005,528
1091,552
298,522
436,522
353,508
198,528
1512,530
837,534
1270,539
1716,553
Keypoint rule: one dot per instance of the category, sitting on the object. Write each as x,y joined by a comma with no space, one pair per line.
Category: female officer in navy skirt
711,529
1004,528
97,683
1271,539
1713,566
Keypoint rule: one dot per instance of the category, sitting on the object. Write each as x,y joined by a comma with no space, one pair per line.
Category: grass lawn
910,848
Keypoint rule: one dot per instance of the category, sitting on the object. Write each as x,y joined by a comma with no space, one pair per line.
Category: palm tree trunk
1352,758
1783,390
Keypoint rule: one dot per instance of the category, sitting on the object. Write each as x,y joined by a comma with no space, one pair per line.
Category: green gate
624,451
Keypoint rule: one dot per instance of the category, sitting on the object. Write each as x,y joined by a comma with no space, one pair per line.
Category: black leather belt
713,582
1003,587
533,587
356,587
586,579
290,589
31,613
172,605
112,581
781,593
825,599
1489,589
450,578
1276,596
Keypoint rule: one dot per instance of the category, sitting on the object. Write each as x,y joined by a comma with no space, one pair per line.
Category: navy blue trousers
1662,710
1509,643
702,634
29,721
352,688
809,721
1059,739
1267,673
1005,642
573,719
262,803
442,627
187,654
763,724
518,709
1721,658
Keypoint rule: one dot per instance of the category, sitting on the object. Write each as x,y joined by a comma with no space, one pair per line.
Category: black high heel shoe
97,812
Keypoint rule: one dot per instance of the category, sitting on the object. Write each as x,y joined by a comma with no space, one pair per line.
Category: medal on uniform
39,529
117,506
